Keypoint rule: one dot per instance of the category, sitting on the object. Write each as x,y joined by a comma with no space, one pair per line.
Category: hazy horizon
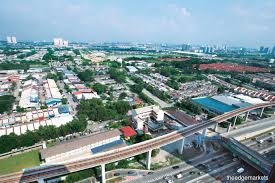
248,23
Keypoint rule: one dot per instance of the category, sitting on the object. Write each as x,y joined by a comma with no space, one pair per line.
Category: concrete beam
181,146
149,156
103,175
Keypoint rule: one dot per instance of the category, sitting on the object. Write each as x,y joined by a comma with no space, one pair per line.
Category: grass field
115,180
18,162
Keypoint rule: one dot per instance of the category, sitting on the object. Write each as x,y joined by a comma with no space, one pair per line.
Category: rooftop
128,131
182,117
78,143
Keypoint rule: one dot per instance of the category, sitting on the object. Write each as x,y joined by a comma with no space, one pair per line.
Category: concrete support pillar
149,155
41,180
204,132
261,112
181,146
44,145
216,127
229,127
103,175
246,115
235,119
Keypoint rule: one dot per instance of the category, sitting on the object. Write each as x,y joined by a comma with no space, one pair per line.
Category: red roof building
128,131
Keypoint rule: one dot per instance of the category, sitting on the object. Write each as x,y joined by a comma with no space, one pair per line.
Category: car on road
260,141
240,170
116,174
192,172
179,176
175,167
131,172
170,181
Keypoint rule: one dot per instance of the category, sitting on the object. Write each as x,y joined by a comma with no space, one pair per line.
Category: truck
240,170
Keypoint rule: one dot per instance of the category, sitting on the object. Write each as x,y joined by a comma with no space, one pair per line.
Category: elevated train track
32,175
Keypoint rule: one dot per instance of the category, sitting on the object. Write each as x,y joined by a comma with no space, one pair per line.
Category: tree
122,164
13,86
64,101
86,75
173,84
52,76
188,105
8,142
221,89
43,107
122,107
99,88
137,88
60,76
12,141
117,75
122,96
6,102
20,109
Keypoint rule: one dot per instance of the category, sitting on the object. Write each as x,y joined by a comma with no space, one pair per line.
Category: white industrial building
29,96
248,99
131,69
141,115
78,148
52,94
19,123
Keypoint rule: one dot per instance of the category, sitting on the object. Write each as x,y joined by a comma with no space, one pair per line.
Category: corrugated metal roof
78,143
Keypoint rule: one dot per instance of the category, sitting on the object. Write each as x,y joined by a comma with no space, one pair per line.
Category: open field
18,162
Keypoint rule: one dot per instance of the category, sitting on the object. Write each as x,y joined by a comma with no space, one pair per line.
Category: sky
249,23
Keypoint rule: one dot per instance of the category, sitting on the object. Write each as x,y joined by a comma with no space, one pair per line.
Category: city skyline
238,23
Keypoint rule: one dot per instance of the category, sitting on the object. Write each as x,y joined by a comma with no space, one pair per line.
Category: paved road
117,173
252,130
122,153
231,171
162,103
195,169
71,102
222,168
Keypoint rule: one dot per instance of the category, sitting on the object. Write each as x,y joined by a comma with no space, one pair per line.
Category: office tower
59,42
261,49
8,39
273,50
11,39
265,50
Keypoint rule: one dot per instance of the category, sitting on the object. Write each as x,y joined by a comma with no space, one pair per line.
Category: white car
240,170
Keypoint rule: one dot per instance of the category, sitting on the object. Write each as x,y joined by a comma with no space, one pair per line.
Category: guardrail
21,150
